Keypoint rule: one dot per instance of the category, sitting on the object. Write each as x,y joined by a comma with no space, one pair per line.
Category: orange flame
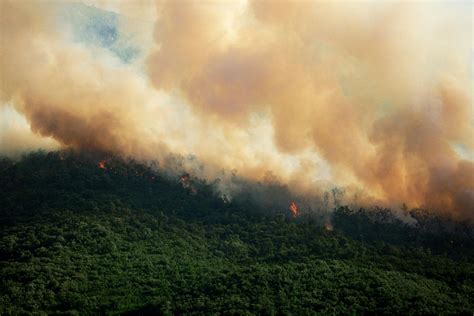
294,209
184,180
101,165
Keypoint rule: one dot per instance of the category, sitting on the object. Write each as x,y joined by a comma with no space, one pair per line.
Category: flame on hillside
102,165
184,179
294,209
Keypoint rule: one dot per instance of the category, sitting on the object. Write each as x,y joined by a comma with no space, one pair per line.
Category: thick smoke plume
379,91
375,97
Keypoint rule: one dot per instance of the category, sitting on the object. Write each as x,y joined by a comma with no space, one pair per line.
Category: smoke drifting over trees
377,96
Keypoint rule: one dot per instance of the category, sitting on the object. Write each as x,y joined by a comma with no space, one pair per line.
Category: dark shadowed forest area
84,234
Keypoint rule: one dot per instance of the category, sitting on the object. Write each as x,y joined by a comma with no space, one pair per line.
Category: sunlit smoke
366,86
372,97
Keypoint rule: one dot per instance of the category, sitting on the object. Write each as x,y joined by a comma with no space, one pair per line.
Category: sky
373,97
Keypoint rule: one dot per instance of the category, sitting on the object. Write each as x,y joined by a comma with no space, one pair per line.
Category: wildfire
101,165
294,209
184,180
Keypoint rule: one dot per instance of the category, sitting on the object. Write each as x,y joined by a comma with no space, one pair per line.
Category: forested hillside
88,234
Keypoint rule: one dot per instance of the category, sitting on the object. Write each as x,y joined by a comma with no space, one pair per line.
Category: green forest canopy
77,238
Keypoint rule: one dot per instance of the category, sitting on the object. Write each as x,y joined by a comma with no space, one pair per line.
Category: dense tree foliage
121,237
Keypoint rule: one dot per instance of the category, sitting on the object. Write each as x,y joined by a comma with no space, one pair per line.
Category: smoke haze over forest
372,97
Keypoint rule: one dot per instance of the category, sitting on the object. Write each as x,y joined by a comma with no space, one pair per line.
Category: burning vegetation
294,209
102,165
186,182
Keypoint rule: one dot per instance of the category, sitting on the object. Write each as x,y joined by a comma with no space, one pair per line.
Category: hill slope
83,234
